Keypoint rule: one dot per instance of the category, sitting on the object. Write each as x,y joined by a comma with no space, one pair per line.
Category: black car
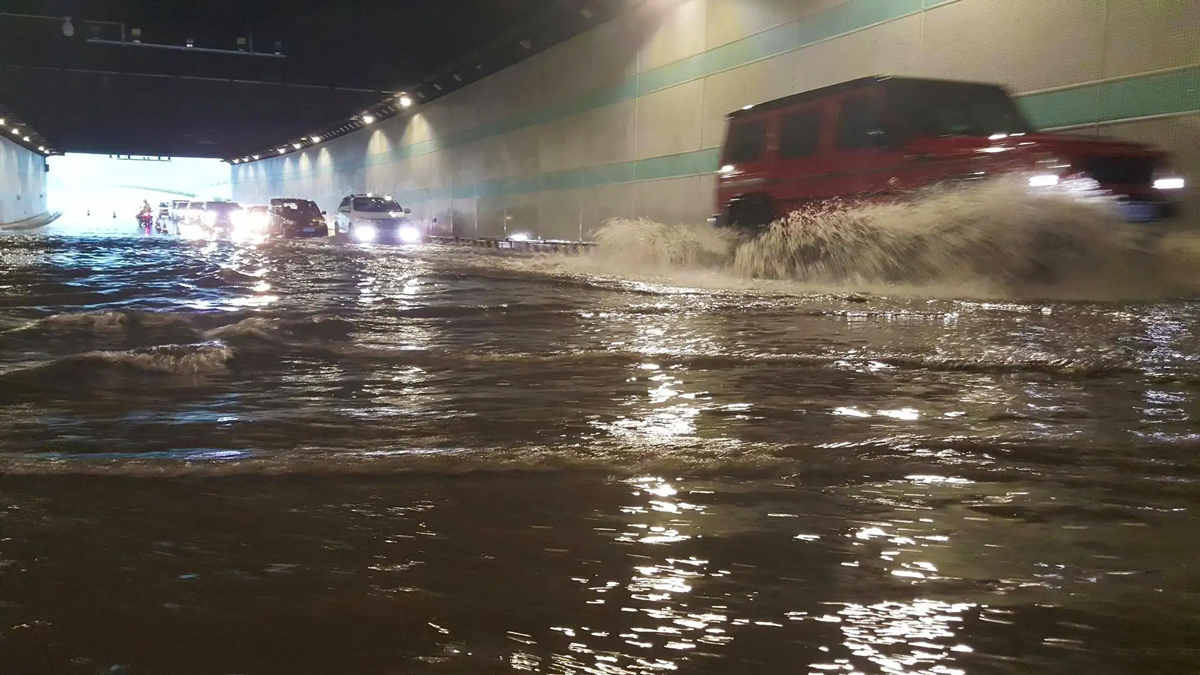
296,218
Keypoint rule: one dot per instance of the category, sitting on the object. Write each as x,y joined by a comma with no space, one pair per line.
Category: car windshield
301,207
222,207
375,204
954,109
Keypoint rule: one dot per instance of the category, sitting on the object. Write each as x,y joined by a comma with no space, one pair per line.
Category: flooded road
317,458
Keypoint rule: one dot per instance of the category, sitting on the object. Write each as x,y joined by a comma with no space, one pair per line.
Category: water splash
993,240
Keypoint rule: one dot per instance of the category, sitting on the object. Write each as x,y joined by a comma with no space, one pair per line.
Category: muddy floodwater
312,457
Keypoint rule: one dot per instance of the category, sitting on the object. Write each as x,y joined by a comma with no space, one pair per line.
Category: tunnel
599,337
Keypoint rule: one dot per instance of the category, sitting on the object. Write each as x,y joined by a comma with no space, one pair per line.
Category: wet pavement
306,457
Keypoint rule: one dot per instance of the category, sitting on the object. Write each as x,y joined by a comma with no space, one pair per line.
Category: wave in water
179,360
993,240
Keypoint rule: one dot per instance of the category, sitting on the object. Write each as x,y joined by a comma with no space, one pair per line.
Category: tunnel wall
22,183
627,119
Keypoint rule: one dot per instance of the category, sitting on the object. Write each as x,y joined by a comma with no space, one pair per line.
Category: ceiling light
26,139
256,156
1,121
458,77
16,131
235,161
315,139
368,119
41,148
282,150
68,28
526,43
405,100
297,145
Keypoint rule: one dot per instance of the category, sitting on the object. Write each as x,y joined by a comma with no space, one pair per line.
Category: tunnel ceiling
83,93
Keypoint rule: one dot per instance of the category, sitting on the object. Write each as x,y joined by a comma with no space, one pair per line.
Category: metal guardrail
525,245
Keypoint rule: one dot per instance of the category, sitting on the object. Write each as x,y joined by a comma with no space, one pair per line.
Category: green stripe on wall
1157,94
1169,93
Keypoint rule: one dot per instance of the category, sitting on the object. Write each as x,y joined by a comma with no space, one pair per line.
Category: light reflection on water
430,460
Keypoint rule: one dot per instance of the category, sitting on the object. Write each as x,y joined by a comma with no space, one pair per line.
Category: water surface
318,458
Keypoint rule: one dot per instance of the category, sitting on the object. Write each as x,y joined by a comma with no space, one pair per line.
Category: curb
40,220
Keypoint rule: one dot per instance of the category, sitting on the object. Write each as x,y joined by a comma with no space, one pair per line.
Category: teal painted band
1175,92
1156,94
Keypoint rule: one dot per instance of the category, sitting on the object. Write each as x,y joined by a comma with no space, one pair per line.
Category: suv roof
842,87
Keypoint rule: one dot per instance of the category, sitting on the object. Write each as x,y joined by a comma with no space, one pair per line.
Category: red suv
881,136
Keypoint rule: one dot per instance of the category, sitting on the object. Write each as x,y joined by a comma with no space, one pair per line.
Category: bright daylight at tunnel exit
603,337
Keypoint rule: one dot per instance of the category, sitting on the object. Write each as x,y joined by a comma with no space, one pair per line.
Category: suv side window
747,141
799,132
859,124
344,207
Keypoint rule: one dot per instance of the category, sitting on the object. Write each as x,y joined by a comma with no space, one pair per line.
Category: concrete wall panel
731,20
668,121
22,183
1026,44
676,31
672,200
559,213
619,121
1145,36
489,216
607,134
601,203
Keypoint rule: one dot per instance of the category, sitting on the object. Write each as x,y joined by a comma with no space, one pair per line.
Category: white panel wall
640,97
22,183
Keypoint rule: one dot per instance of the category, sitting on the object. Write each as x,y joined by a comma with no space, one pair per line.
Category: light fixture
368,119
1,121
41,148
16,131
1169,183
457,77
68,28
281,150
255,156
405,100
526,43
297,146
26,139
437,86
315,139
191,42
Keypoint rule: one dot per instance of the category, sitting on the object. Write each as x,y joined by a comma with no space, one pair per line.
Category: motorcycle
145,222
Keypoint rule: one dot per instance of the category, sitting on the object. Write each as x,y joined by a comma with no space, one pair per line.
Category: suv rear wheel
751,212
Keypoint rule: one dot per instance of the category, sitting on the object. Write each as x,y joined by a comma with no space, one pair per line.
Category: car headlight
1043,180
239,218
364,232
409,234
1169,183
210,218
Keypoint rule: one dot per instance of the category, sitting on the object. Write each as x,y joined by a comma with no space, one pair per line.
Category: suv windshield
295,207
223,208
375,204
954,109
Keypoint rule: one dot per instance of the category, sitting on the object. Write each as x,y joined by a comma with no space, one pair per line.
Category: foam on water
993,240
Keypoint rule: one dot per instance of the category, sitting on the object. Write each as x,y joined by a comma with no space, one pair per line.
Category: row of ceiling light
399,103
22,134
